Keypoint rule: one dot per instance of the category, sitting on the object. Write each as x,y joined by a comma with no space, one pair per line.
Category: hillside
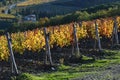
60,40
49,8
28,48
75,3
33,2
83,4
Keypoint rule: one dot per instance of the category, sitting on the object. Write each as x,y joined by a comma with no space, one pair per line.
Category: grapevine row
61,36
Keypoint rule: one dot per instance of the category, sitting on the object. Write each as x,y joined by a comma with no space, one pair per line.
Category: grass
36,2
7,16
67,72
32,2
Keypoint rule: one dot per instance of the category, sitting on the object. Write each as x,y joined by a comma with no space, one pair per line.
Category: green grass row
6,16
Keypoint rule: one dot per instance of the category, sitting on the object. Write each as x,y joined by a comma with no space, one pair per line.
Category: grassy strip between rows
66,72
32,2
7,16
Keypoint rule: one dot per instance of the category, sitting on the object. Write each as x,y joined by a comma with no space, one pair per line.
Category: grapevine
61,36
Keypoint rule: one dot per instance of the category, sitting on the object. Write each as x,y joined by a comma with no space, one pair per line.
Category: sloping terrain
33,2
48,8
83,4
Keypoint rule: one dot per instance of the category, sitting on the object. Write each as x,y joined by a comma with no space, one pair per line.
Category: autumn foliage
61,36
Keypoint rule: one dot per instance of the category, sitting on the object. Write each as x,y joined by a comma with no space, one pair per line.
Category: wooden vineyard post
80,23
97,36
48,52
53,30
59,29
13,63
77,50
115,33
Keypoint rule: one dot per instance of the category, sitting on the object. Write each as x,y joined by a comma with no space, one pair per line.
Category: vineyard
60,36
43,7
50,8
69,40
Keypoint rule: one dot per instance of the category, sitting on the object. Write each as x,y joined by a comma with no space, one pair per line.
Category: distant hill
83,3
60,7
